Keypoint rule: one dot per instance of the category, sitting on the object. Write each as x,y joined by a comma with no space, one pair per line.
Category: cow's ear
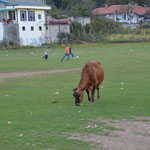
74,89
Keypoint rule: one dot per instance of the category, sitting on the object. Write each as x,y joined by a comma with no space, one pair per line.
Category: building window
23,28
39,16
32,28
11,15
40,28
46,27
124,16
23,15
31,15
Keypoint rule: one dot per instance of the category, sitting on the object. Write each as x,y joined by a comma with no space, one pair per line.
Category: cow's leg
98,95
92,95
87,91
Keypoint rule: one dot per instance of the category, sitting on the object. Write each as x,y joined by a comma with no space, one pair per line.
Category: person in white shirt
46,54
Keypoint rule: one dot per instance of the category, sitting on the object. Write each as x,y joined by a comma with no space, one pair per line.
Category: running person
70,51
66,53
46,53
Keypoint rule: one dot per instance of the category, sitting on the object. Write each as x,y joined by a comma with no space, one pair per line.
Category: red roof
60,21
121,9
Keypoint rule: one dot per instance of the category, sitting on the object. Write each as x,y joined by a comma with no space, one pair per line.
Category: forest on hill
66,4
84,7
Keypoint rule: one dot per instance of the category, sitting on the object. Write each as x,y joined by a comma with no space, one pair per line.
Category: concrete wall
52,31
3,15
1,32
82,20
40,1
2,5
132,26
9,33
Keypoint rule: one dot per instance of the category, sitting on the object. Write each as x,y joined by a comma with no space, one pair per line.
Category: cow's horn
77,90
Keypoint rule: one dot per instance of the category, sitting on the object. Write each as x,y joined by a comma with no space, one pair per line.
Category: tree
90,4
49,2
76,29
100,3
79,11
57,3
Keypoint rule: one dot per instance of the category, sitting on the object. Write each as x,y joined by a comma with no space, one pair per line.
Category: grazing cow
92,76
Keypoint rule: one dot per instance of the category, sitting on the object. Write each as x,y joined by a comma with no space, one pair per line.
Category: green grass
128,37
27,102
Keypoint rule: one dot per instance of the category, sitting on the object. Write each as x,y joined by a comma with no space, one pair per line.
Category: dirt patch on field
29,74
129,135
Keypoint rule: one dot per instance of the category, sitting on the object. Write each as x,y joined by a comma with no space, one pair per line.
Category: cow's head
78,94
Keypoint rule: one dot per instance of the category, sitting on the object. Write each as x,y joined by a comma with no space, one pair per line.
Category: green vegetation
104,30
73,7
30,119
99,30
68,4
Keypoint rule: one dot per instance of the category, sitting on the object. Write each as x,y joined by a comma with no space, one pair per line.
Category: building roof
121,9
23,3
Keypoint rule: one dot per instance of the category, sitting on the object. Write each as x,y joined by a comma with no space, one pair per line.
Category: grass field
30,120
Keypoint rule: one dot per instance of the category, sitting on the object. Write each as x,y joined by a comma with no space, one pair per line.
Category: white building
30,17
123,13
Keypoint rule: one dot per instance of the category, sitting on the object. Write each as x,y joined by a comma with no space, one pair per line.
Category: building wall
124,18
35,37
132,26
1,32
2,5
82,20
54,29
3,15
40,1
9,33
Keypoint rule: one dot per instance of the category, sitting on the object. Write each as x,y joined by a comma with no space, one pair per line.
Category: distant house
56,26
25,18
123,13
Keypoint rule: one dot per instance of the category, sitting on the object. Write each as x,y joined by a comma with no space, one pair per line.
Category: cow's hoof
77,104
92,103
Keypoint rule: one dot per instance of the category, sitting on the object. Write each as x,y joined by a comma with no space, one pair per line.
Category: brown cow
91,77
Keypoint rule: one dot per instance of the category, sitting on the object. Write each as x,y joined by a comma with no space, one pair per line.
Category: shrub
76,29
105,26
125,31
11,43
63,37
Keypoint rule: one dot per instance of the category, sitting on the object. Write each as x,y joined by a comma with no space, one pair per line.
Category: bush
126,31
105,26
76,29
11,43
63,37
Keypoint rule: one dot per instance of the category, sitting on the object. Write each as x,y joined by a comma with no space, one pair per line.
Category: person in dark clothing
70,51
